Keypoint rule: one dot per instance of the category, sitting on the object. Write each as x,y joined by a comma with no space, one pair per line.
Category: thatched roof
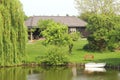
71,21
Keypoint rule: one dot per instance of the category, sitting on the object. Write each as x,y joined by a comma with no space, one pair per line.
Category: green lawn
36,49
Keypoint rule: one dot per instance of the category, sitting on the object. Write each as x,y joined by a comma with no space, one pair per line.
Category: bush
75,36
104,31
113,47
55,56
95,45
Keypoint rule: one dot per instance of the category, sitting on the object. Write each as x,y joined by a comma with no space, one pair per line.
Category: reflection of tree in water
49,73
57,73
13,73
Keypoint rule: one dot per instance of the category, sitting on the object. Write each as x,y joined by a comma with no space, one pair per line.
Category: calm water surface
56,73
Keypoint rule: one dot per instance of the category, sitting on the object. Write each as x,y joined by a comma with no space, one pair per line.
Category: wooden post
31,35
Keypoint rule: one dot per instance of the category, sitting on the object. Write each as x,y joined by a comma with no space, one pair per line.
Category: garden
37,49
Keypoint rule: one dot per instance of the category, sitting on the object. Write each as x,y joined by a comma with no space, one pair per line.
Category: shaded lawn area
36,49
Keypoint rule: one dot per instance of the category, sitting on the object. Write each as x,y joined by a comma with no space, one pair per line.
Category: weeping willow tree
12,33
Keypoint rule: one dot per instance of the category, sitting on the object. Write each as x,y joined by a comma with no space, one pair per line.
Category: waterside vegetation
36,50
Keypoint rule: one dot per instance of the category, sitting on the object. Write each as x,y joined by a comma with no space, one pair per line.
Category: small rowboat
95,65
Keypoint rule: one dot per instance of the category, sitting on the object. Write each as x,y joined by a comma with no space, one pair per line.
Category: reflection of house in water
74,24
33,77
74,71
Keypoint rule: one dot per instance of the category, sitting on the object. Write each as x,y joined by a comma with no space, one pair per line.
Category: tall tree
43,24
99,6
56,34
85,16
12,33
105,32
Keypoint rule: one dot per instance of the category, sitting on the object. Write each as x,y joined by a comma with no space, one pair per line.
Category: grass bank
36,49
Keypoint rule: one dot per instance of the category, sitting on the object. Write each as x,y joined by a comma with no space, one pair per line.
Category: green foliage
44,24
37,50
75,35
25,17
104,32
54,56
12,33
85,16
98,6
56,34
31,30
95,45
114,35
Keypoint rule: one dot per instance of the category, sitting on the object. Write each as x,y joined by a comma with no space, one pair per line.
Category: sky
49,7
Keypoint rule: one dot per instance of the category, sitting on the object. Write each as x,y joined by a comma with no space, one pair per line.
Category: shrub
95,45
55,56
75,36
104,31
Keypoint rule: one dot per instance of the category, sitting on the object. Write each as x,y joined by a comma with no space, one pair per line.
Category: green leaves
75,36
98,6
104,31
12,33
55,56
56,34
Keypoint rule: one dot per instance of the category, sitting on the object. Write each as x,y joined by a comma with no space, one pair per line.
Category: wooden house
74,23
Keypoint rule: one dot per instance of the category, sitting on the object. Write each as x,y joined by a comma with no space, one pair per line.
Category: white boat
95,69
95,65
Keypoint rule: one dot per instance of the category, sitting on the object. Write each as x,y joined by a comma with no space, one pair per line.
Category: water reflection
57,73
13,73
50,73
95,70
96,74
33,77
74,71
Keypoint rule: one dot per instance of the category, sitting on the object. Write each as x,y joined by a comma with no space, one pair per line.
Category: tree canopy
98,6
103,23
104,32
56,34
44,24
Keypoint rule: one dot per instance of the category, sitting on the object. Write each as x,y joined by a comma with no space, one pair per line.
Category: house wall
35,34
82,30
72,29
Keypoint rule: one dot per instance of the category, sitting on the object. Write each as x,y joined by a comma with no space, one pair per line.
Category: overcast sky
49,7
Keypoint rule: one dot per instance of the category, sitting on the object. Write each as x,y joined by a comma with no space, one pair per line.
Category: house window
72,29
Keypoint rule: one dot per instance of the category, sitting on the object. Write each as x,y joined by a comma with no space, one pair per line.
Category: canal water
58,73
